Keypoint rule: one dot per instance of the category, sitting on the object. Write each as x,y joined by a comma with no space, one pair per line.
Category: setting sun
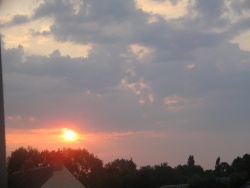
69,135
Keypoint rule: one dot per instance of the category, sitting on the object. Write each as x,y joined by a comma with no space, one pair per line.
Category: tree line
123,173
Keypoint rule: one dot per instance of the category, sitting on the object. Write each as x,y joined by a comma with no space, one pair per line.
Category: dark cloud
208,15
246,4
174,2
17,20
50,8
38,33
95,21
211,9
240,6
190,59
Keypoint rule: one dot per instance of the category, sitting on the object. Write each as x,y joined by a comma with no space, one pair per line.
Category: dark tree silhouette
120,166
84,165
217,165
191,161
238,164
20,156
122,173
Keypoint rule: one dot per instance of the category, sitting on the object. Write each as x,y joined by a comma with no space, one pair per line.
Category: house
62,178
44,177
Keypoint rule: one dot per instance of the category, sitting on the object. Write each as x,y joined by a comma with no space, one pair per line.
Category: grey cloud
246,4
112,10
240,6
52,7
17,20
207,16
96,21
218,79
38,33
212,8
213,71
239,27
220,74
78,73
172,1
102,23
63,83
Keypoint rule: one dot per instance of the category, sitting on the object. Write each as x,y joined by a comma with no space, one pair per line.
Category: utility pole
3,165
3,169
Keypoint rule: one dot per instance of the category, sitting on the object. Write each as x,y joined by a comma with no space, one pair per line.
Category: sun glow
69,135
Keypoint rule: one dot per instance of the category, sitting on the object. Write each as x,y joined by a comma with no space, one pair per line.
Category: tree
146,177
120,166
217,165
222,169
19,157
84,165
225,169
164,174
246,159
203,182
237,180
238,165
120,173
191,161
190,169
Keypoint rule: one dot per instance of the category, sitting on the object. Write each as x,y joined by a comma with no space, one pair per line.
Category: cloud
167,9
110,66
213,8
47,8
19,19
94,15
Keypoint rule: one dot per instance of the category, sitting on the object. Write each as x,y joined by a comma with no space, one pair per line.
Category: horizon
152,80
131,158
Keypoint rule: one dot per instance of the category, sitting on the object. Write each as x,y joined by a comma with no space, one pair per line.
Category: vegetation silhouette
123,173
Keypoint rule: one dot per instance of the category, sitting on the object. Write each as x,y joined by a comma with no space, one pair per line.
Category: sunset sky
155,80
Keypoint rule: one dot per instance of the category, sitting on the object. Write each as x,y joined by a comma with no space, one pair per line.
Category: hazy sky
155,80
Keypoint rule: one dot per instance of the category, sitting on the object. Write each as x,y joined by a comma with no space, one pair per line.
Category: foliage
85,166
18,157
237,180
238,165
189,171
191,161
217,165
222,169
120,166
122,173
204,182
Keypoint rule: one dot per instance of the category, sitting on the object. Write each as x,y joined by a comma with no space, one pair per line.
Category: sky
151,80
